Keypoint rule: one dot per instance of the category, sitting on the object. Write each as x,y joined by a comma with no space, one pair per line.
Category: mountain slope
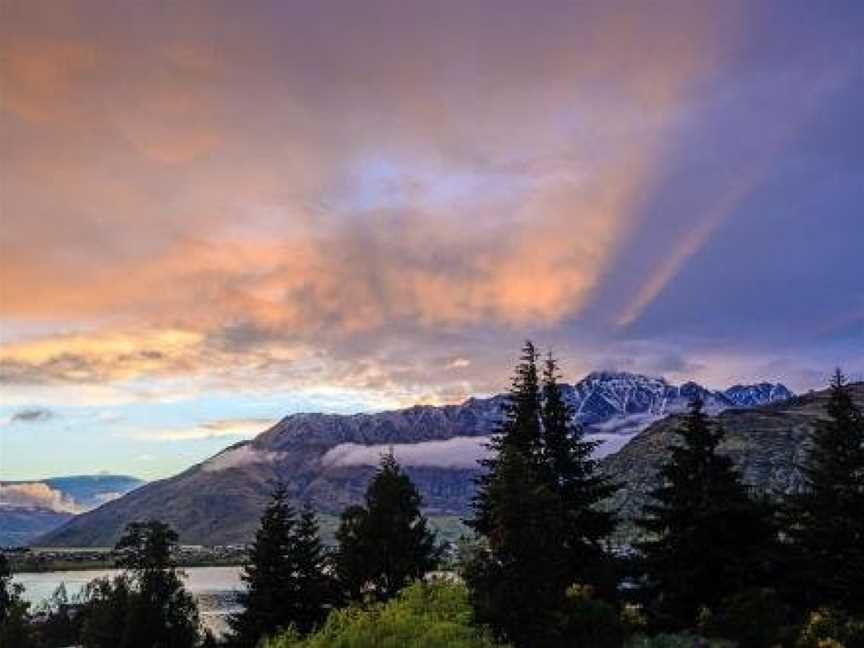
327,460
766,443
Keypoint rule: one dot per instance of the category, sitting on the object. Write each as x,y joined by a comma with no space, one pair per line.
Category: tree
518,576
387,543
574,476
315,587
707,538
15,630
148,605
268,575
108,602
824,520
519,430
537,509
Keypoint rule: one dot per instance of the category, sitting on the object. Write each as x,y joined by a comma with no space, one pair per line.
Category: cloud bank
245,455
36,494
458,452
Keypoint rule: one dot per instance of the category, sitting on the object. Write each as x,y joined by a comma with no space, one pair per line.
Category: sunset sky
213,214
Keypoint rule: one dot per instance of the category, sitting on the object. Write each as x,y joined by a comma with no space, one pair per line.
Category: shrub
677,641
589,621
826,628
753,619
424,615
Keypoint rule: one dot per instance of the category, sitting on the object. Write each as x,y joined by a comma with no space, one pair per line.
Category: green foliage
148,605
827,628
387,543
708,538
825,520
424,615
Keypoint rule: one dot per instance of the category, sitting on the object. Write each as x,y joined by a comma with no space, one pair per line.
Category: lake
213,587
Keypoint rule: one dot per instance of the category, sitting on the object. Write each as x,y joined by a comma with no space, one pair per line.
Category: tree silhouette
387,543
707,538
824,520
268,574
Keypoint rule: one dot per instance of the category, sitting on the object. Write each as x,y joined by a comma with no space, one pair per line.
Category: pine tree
386,544
537,509
824,520
268,575
520,430
316,589
574,476
708,538
518,576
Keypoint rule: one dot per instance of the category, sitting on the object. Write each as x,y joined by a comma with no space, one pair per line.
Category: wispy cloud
227,428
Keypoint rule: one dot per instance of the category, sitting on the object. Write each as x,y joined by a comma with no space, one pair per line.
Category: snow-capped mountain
756,395
326,459
603,396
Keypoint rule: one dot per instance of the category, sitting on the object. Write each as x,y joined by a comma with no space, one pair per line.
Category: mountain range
327,459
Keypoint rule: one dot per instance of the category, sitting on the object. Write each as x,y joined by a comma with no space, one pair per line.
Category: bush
677,641
826,628
589,621
424,615
752,619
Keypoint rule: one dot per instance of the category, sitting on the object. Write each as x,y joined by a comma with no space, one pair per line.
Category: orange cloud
179,186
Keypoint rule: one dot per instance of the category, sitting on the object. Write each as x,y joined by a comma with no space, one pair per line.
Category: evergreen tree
573,475
315,587
708,538
824,520
520,430
518,576
386,544
537,508
269,576
148,606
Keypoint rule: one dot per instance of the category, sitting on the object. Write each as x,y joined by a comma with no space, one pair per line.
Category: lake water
214,588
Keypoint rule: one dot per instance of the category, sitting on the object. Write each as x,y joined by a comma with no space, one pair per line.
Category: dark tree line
716,557
292,582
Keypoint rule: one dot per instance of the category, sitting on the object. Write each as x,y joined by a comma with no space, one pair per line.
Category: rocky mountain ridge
219,500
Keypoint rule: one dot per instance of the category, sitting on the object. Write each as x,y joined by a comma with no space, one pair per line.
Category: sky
213,214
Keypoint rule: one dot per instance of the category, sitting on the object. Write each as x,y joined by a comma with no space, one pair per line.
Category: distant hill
327,459
31,508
